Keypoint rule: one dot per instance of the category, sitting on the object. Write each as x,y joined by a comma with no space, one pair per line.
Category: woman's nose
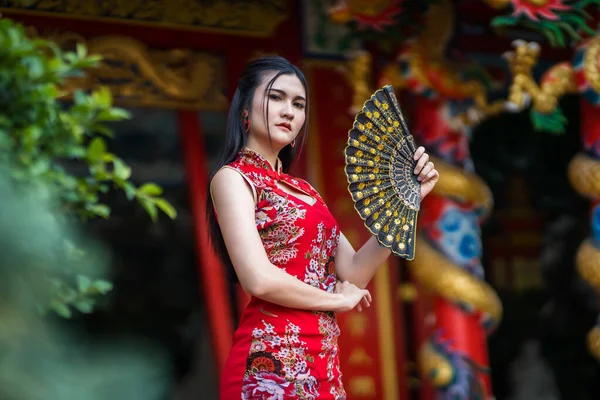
288,110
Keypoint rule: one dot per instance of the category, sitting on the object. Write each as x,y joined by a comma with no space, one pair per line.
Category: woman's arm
234,204
359,267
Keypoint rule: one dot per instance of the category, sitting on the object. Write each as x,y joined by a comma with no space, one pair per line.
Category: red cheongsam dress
279,352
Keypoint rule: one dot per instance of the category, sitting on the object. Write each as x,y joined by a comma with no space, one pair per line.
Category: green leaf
567,28
113,114
83,283
103,97
553,122
121,170
101,210
80,97
150,207
102,286
85,306
96,150
81,50
166,207
39,166
503,21
102,129
62,310
130,190
150,189
76,152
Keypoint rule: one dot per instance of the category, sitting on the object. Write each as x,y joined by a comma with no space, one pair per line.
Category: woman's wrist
339,302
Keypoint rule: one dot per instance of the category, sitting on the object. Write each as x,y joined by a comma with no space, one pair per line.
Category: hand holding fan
380,171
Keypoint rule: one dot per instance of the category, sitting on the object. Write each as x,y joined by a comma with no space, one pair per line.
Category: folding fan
380,171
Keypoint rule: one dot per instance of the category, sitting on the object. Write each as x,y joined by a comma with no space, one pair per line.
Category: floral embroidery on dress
277,366
275,219
330,330
290,354
254,159
320,271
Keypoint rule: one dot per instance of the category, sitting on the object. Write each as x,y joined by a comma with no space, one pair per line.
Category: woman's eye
300,105
274,97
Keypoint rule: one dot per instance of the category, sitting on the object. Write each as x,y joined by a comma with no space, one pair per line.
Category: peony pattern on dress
279,366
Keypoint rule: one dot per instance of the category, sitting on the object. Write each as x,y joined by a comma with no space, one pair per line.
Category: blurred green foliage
44,358
40,135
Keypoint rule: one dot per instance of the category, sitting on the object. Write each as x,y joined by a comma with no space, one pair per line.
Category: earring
246,121
293,144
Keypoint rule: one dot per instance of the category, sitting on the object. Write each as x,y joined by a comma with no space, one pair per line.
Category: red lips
286,125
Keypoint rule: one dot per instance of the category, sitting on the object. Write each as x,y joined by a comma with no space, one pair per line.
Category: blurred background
502,298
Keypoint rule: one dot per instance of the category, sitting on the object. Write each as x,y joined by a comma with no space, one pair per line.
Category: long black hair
236,138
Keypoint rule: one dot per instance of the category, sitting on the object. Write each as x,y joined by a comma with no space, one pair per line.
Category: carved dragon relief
141,76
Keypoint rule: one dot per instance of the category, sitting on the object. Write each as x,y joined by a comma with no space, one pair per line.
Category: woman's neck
268,153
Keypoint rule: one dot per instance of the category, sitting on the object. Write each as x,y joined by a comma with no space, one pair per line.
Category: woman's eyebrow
284,93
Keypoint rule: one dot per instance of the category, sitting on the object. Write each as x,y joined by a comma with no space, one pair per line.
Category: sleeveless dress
279,352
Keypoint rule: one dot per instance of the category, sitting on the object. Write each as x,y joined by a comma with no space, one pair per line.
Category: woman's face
286,101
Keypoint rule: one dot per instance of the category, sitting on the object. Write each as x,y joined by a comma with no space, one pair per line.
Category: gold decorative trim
435,367
247,18
456,183
141,76
593,342
584,174
588,263
556,82
440,275
591,64
358,76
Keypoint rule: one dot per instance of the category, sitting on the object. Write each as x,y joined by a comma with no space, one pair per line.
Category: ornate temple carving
142,76
247,17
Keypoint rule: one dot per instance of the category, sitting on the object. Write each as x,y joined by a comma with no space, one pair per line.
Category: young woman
286,248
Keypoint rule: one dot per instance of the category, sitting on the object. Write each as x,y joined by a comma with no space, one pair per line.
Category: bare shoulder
226,176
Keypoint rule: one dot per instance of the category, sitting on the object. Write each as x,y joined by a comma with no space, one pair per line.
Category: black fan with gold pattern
380,171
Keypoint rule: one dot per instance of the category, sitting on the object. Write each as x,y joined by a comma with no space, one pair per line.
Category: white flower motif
294,328
257,333
284,353
269,327
276,341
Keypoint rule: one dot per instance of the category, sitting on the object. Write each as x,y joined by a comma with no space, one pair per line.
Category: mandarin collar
258,160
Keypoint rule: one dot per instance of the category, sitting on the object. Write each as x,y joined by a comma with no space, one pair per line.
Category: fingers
423,160
338,287
433,174
420,151
426,170
365,302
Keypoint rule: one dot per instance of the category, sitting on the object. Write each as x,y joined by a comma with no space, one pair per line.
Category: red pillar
466,333
211,273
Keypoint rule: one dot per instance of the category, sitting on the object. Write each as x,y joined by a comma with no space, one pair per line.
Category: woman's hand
428,175
354,296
